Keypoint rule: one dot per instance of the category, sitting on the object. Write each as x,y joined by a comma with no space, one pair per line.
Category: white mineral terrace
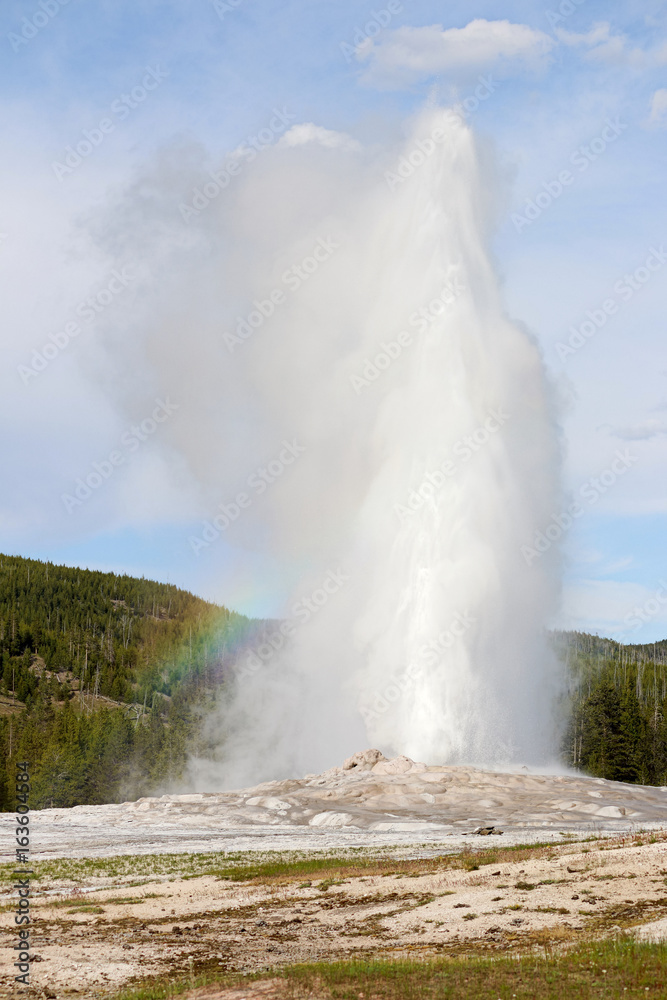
368,802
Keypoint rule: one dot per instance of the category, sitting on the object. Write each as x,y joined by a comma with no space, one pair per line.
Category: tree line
105,680
617,708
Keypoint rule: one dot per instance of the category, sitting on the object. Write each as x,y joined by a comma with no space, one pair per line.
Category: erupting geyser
452,625
430,459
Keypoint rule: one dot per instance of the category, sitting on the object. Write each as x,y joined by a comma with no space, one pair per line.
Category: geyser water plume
436,639
429,455
454,613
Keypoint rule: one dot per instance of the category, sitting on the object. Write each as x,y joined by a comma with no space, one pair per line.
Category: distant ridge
105,679
103,667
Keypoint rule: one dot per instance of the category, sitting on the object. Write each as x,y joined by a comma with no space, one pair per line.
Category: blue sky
579,88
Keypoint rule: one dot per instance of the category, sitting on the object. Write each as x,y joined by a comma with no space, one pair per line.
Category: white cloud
599,33
409,54
603,47
644,431
658,112
405,55
627,612
307,132
617,566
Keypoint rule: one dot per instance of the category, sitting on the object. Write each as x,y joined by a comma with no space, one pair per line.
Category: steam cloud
341,301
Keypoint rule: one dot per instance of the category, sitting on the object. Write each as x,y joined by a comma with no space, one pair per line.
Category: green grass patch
80,870
70,902
328,882
269,865
603,969
85,901
131,900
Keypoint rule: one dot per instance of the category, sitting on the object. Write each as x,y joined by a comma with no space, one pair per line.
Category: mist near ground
354,400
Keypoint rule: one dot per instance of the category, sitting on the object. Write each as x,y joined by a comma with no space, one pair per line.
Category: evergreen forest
105,681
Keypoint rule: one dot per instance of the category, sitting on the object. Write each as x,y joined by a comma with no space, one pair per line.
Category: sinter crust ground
139,924
395,801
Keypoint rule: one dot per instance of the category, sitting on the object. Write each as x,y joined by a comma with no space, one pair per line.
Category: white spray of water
431,631
430,459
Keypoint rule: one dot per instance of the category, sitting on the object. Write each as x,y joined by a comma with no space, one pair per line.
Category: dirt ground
89,940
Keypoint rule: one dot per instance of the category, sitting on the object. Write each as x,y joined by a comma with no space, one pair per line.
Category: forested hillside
617,708
103,679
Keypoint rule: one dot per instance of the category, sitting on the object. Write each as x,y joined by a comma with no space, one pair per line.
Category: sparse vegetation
293,866
612,968
291,904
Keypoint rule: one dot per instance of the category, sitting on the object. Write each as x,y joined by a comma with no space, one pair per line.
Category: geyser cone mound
370,800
